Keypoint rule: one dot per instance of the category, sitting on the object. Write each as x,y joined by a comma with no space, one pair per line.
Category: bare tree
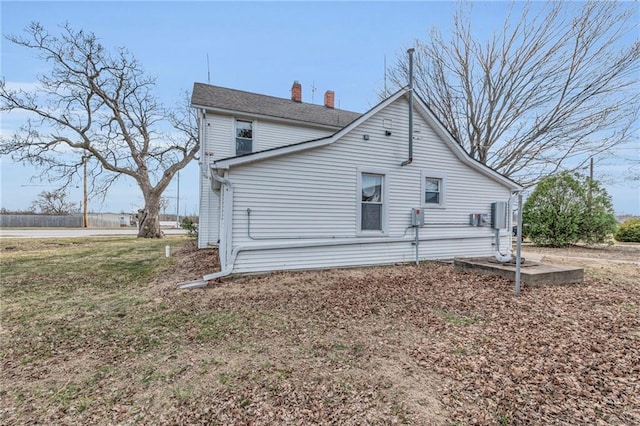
54,202
543,93
97,104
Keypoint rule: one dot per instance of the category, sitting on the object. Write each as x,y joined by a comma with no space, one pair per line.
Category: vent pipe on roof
410,159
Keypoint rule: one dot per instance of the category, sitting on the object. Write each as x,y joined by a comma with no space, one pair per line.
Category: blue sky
259,47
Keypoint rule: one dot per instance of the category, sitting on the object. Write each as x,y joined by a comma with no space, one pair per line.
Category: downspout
410,159
502,258
202,124
226,258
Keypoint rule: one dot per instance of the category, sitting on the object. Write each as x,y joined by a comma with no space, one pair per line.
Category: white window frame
443,190
385,201
254,127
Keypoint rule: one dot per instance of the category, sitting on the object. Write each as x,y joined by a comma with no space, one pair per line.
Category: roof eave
264,116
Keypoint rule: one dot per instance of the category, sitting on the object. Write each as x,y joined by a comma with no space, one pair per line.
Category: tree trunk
149,218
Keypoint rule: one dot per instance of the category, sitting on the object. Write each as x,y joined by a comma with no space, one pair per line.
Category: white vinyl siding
209,211
219,142
308,197
274,134
221,134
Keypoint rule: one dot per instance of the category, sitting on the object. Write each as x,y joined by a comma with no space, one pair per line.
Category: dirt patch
620,263
459,346
384,345
619,251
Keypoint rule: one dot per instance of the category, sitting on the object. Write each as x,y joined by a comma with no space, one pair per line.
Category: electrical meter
417,217
499,215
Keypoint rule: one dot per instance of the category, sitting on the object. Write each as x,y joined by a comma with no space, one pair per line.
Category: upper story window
433,191
244,137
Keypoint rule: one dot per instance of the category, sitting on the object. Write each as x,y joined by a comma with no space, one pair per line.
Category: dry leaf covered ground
116,343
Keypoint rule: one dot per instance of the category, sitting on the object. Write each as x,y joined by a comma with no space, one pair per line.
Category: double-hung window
433,191
244,137
372,195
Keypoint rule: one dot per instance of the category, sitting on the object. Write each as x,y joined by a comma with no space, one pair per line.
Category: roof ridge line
275,97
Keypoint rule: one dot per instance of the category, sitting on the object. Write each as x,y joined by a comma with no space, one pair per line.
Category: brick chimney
296,92
329,97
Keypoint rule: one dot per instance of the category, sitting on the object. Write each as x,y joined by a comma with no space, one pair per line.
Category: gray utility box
417,217
499,211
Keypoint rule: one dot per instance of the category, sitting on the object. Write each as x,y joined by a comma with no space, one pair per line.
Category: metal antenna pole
178,203
385,76
208,70
85,210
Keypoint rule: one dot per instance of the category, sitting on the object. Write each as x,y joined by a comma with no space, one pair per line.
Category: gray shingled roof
206,95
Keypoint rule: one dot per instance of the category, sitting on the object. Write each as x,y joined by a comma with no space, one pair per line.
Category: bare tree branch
540,95
99,104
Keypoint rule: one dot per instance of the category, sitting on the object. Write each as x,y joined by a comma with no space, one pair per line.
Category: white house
289,185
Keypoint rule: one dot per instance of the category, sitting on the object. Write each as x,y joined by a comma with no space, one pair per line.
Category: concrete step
532,273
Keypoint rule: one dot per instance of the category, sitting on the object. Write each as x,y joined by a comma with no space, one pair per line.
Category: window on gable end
433,191
372,202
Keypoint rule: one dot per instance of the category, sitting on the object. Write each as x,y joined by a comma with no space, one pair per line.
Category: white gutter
250,115
502,258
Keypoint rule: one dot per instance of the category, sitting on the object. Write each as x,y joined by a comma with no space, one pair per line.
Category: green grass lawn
76,312
93,331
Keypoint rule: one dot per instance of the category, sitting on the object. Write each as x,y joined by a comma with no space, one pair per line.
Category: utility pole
178,204
85,210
